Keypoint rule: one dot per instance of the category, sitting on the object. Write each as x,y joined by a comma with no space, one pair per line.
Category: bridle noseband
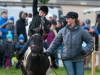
34,55
35,46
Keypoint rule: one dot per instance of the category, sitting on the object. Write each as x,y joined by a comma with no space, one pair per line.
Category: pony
32,64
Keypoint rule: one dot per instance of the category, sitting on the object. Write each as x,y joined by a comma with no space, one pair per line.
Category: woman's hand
45,55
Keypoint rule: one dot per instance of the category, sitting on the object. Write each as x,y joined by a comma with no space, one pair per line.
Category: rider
38,20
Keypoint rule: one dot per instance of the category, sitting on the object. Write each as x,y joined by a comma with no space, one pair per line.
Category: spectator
50,17
54,17
8,50
51,36
21,24
8,26
1,49
98,27
72,36
82,23
19,45
92,29
87,59
87,23
3,17
53,27
64,22
29,22
52,33
29,18
93,32
59,26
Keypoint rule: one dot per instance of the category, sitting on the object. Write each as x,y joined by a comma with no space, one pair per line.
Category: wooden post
99,53
93,60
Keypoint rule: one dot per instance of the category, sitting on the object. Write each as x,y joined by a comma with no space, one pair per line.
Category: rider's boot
21,52
19,58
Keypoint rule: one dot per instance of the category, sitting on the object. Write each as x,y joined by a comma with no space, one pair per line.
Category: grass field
60,71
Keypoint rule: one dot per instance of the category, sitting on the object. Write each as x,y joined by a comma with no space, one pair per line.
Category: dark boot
55,65
17,65
19,58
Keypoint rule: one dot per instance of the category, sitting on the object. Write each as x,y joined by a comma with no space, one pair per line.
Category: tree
44,1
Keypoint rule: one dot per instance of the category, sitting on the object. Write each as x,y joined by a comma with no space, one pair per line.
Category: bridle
32,46
35,46
34,55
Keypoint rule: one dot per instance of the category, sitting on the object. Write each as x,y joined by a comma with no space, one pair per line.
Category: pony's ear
32,31
41,32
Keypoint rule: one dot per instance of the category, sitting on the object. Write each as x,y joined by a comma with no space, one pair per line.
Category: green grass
60,71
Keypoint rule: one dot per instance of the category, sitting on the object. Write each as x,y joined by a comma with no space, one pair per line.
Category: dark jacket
18,47
2,42
21,26
72,43
8,50
3,20
8,26
36,21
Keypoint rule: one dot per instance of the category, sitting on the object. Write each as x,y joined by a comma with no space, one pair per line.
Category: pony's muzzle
34,53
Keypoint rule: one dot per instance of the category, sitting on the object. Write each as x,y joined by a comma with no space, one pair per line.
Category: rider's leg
21,53
46,45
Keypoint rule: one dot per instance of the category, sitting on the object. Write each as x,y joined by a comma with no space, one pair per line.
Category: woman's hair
77,21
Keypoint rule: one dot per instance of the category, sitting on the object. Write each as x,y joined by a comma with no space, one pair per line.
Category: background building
67,5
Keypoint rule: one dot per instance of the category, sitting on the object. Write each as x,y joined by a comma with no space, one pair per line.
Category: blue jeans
74,68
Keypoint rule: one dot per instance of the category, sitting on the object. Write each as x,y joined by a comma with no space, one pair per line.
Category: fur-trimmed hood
21,14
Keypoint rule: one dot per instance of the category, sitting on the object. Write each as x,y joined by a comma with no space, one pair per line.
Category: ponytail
77,21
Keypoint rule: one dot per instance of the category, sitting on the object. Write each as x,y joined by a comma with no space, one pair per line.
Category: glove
83,52
45,55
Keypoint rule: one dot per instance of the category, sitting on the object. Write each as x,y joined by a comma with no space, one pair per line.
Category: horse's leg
29,72
23,69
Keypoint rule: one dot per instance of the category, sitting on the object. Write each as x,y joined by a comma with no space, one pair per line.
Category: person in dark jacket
4,17
39,18
1,49
19,45
59,26
8,50
8,26
72,36
21,24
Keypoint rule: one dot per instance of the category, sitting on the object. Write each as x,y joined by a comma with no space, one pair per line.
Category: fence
94,56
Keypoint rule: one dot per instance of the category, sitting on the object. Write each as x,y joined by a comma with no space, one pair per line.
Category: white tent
91,10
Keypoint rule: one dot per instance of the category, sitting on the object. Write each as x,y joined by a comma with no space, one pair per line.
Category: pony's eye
31,47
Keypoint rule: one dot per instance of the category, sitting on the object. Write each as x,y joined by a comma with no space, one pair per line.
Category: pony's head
35,31
36,44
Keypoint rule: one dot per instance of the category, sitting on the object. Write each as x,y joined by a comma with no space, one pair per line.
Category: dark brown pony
32,63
